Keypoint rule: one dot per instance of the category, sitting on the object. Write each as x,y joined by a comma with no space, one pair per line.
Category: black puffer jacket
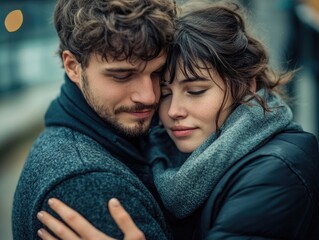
272,193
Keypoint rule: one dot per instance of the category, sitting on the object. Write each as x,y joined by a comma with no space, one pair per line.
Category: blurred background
31,73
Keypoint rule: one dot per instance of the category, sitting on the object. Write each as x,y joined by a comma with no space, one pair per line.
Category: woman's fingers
75,220
56,226
124,221
79,225
44,235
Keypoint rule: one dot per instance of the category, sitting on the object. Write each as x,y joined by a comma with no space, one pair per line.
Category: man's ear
72,67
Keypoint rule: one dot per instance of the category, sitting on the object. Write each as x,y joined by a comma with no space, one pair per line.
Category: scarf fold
71,110
185,188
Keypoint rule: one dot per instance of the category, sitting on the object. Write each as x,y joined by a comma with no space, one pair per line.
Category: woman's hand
80,228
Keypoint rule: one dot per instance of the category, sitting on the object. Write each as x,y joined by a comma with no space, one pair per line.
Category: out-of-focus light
13,21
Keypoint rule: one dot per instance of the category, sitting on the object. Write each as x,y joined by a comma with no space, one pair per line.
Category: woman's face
189,107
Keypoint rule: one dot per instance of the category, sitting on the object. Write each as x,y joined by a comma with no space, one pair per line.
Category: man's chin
136,130
132,133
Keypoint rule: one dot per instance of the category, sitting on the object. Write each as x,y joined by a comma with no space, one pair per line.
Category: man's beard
139,129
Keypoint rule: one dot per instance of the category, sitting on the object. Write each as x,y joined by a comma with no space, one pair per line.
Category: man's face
123,94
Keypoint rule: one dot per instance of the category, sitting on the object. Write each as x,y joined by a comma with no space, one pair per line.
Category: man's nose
146,91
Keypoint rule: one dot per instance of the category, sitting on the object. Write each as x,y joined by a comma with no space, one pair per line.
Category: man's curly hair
114,29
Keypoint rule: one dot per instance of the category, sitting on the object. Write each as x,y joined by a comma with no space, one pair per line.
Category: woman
252,172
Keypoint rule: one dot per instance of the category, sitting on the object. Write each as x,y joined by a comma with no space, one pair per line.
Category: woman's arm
79,228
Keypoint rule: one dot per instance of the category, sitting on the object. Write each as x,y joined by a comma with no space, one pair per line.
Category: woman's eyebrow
186,80
193,79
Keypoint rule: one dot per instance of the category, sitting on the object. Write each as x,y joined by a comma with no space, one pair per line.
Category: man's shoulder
74,168
63,157
63,142
62,136
62,153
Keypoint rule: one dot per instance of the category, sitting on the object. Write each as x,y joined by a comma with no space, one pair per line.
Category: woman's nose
177,109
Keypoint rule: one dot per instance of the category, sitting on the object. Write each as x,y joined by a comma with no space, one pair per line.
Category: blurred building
28,64
31,74
27,55
30,77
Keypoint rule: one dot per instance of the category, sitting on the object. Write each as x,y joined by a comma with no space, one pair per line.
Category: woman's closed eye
166,93
196,92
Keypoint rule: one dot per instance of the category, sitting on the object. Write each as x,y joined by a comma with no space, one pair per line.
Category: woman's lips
182,131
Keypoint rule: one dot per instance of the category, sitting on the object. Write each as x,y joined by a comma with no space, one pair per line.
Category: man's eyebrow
118,70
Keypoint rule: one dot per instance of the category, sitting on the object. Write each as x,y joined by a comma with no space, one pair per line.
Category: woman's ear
72,67
253,85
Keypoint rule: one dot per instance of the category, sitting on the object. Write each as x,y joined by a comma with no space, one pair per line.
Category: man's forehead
134,64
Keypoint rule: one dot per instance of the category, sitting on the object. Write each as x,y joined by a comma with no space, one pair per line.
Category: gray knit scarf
185,188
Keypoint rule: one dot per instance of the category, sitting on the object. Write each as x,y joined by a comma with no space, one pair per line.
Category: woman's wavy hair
214,36
114,29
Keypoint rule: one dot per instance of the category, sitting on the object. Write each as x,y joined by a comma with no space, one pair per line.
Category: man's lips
141,113
182,131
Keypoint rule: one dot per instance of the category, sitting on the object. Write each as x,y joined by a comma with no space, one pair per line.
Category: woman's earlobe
253,85
71,66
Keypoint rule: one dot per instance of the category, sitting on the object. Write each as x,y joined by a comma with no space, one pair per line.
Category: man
91,149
